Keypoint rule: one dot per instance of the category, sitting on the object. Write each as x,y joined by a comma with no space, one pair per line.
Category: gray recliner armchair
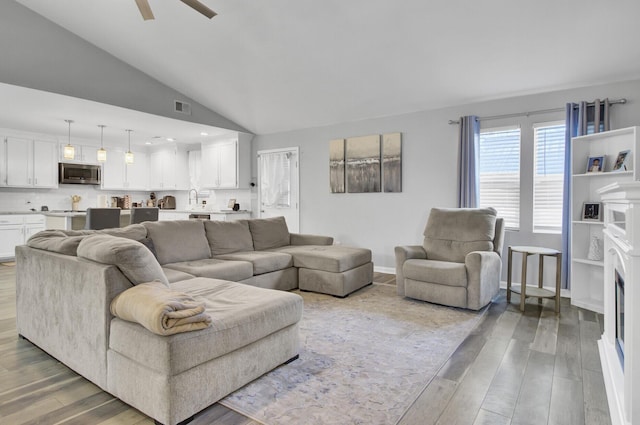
459,262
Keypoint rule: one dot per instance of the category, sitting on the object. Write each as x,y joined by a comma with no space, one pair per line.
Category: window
548,176
499,173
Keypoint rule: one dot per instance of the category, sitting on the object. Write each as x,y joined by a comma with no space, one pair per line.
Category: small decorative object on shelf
75,202
622,161
591,211
595,164
595,249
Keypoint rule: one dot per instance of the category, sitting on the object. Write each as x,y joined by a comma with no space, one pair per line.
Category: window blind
499,173
549,141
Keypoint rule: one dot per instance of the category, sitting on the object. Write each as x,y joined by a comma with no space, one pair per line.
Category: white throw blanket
161,310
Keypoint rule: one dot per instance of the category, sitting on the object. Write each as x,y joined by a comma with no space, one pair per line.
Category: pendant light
69,151
102,153
128,157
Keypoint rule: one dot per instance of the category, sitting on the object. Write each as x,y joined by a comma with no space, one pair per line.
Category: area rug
363,360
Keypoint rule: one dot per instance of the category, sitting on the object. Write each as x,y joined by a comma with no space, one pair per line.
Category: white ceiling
280,65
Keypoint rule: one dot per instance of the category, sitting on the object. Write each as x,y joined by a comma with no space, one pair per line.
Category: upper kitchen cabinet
33,163
226,164
116,174
85,154
169,169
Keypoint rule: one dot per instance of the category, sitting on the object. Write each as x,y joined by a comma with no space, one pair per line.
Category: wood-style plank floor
514,369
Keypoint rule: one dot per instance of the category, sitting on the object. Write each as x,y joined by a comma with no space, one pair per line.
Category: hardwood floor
531,368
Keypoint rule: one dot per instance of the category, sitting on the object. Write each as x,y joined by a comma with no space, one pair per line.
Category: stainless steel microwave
79,173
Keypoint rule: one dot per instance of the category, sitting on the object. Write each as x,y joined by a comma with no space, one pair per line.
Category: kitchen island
75,220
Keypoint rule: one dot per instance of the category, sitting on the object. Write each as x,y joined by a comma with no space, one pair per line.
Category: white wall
380,221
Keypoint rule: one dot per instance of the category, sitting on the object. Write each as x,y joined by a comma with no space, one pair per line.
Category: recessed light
204,133
147,143
170,139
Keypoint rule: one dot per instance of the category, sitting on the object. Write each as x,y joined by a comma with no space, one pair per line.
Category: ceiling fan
147,14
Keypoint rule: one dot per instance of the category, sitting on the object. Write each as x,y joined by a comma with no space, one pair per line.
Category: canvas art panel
392,162
363,170
336,165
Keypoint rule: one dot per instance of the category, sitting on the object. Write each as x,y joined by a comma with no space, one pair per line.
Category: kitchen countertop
21,212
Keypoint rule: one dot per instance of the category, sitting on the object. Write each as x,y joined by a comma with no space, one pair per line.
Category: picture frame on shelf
231,203
595,164
622,161
591,211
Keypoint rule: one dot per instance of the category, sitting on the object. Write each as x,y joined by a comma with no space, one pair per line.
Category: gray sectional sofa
65,285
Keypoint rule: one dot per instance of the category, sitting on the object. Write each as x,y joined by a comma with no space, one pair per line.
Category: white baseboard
564,293
388,270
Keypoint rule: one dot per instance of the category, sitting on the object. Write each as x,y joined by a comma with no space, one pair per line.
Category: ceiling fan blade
145,9
195,4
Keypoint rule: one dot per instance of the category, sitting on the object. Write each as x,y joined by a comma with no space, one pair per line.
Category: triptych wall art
366,164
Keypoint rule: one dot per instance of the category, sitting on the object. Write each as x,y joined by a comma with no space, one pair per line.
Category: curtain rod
540,111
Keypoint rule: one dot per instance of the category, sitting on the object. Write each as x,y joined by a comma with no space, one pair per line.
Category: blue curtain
468,191
581,119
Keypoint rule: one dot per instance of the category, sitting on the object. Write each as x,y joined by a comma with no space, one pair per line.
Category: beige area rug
363,360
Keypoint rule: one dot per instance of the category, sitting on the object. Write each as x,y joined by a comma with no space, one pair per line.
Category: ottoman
333,269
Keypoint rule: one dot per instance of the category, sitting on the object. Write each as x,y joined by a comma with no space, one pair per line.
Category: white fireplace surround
622,253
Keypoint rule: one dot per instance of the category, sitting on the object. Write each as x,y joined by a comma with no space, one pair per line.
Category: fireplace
619,347
619,315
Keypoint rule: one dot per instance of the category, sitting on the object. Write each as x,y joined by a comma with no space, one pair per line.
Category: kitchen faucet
196,192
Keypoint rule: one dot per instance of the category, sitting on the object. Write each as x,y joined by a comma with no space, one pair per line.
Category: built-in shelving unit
587,275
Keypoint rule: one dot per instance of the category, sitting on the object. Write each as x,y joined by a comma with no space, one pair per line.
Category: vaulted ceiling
279,65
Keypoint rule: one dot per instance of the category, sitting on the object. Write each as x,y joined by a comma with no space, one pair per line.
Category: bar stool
532,291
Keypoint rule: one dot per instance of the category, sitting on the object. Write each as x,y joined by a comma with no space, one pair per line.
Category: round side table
529,290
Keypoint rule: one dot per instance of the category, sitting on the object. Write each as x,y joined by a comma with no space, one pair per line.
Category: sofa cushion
135,260
269,233
263,261
176,275
441,272
241,314
226,237
215,269
180,240
132,231
452,233
55,241
330,258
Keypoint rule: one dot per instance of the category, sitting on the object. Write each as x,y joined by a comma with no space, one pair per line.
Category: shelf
589,262
534,291
601,223
605,173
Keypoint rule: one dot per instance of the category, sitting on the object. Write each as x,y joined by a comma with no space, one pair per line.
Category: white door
278,183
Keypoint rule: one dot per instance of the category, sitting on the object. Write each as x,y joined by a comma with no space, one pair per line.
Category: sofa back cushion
269,233
452,233
179,240
136,232
55,241
133,259
226,237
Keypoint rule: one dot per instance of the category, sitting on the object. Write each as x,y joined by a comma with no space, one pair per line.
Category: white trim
388,270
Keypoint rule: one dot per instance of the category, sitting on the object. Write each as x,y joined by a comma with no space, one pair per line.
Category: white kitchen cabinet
168,169
30,163
85,154
165,215
16,229
587,275
116,174
225,165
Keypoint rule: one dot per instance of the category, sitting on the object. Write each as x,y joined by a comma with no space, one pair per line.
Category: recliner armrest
483,277
303,239
404,253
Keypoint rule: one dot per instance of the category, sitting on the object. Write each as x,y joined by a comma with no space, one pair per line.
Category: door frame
295,178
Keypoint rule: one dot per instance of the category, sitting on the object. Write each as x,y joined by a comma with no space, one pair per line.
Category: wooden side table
532,291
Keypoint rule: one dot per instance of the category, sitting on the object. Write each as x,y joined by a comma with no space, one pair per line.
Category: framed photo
622,161
591,211
595,164
231,203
